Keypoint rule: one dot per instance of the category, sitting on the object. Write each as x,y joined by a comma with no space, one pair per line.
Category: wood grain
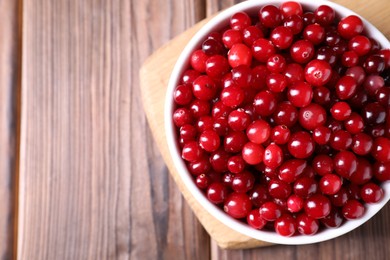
9,91
92,183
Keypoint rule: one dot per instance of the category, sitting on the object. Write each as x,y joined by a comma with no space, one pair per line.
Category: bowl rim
217,23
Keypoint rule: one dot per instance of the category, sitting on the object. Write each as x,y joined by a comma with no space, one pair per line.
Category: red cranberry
270,211
181,117
374,64
341,111
264,103
374,114
276,82
273,156
382,171
189,76
321,135
250,34
323,164
239,54
324,15
290,170
258,131
198,60
243,182
312,116
301,145
381,149
217,192
383,96
235,141
294,23
300,94
346,87
362,144
349,59
240,21
255,220
252,153
294,203
182,94
279,189
281,37
285,114
209,140
353,209
318,72
350,26
237,205
191,151
294,73
262,49
360,44
291,8
334,219
231,37
354,124
314,33
285,225
302,51
317,206
305,186
307,225
270,16
363,173
372,83
218,160
202,181
280,134
212,47
371,193
341,140
345,163
330,184
232,96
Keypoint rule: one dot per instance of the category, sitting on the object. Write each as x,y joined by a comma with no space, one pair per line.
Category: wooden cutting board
154,76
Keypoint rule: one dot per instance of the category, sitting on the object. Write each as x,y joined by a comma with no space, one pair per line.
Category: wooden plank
367,242
92,183
9,91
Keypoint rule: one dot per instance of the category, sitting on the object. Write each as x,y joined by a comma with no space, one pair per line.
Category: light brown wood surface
81,174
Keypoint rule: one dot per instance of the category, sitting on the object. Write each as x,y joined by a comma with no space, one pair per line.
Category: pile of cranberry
283,118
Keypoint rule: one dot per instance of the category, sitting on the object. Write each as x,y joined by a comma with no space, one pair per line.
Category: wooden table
81,177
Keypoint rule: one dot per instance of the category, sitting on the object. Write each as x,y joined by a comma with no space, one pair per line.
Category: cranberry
330,184
280,134
350,26
218,160
231,37
259,75
357,73
273,156
374,113
372,83
276,82
354,124
252,153
270,211
183,94
362,144
285,225
264,103
382,171
270,16
243,182
198,60
381,149
237,205
301,145
318,72
349,59
258,131
371,193
360,44
346,87
290,170
314,33
202,181
317,206
291,8
339,198
340,111
307,225
374,64
285,114
262,49
363,173
300,94
255,220
305,186
235,141
383,96
341,140
232,96
217,192
323,164
181,117
321,135
294,73
294,203
334,219
276,63
345,163
312,116
324,15
238,120
239,54
294,23
189,76
209,140
212,47
279,189
353,209
240,21
281,37
302,51
250,34
191,151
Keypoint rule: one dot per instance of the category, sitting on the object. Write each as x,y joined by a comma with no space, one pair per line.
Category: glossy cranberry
349,59
243,182
291,170
324,15
189,76
290,8
218,160
281,37
280,134
294,203
252,153
279,189
259,195
232,96
276,82
360,44
209,141
374,64
362,144
357,73
220,110
285,114
330,184
321,95
341,140
363,173
372,83
182,94
382,96
305,186
238,120
381,171
385,53
270,16
294,73
345,163
354,124
239,54
250,34
350,26
321,135
381,149
237,205
371,193
301,145
217,66
231,37
314,33
262,49
242,76
334,219
255,220
264,103
374,113
212,47
340,111
276,63
300,94
239,21
202,181
317,206
204,123
333,124
294,23
191,151
322,164
312,116
270,211
346,87
221,126
273,156
258,131
217,192
339,198
204,88
318,72
182,116
236,164
199,167
235,141
198,60
285,225
307,225
353,209
259,75
188,132
302,51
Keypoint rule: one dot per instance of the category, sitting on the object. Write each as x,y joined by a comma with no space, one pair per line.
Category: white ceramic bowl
216,24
